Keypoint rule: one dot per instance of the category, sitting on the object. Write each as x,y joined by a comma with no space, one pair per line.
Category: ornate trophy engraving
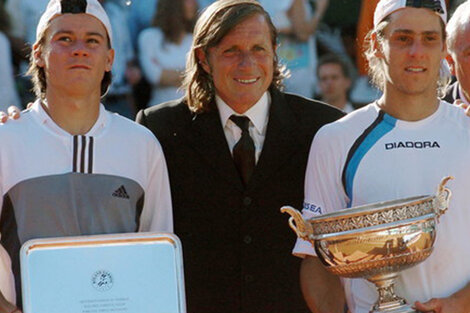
376,241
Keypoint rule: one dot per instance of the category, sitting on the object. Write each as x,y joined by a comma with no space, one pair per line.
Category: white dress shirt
258,115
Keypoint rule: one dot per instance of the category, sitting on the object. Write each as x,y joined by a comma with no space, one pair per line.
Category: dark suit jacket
452,93
236,244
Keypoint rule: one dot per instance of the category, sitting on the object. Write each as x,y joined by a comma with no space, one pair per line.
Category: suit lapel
206,135
455,92
280,142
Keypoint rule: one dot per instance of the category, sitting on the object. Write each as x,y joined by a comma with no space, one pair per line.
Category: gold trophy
376,241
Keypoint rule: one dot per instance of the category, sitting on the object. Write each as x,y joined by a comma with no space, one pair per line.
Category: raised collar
41,116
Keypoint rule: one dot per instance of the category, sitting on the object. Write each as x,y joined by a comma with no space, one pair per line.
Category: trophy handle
442,197
296,222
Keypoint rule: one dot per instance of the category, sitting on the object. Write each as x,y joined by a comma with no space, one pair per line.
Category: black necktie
244,149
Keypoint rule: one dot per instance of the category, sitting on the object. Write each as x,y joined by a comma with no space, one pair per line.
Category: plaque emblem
102,280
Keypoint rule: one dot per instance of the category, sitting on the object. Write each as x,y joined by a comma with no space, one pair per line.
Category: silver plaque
124,273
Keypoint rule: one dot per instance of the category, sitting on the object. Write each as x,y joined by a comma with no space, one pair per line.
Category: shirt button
247,201
247,239
249,278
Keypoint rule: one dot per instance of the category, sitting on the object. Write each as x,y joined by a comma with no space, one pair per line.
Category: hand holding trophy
376,241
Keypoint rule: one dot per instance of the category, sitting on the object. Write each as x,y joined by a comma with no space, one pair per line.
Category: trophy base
394,308
388,301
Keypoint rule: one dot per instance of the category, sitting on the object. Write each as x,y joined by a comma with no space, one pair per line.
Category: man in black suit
458,45
228,182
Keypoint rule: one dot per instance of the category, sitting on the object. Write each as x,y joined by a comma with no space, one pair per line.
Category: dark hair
73,6
38,75
214,24
170,18
334,59
4,19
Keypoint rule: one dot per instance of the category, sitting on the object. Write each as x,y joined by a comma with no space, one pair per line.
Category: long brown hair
170,18
214,23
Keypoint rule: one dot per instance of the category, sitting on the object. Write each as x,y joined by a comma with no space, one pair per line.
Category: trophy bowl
376,241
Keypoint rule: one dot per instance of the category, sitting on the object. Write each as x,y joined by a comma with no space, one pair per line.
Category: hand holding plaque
133,272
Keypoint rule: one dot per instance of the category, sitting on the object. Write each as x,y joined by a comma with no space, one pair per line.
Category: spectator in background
334,82
364,25
125,72
458,46
25,15
163,48
141,14
21,50
363,91
140,17
13,8
336,33
297,24
8,92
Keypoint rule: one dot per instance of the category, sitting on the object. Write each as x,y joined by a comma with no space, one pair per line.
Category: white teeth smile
416,70
247,81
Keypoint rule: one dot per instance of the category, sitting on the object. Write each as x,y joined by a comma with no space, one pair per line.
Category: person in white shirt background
297,24
163,48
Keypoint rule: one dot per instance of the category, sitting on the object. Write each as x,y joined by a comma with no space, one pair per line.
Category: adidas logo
121,193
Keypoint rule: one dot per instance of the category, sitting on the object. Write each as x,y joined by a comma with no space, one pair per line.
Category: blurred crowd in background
320,44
